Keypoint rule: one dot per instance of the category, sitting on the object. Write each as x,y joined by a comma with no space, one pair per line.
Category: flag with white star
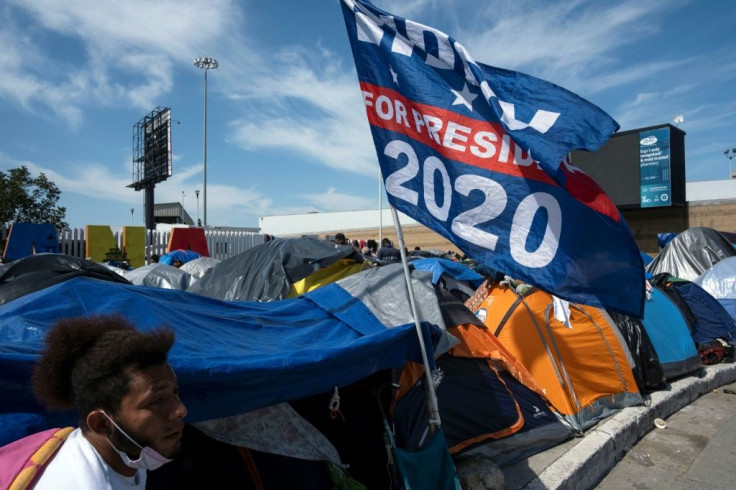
477,153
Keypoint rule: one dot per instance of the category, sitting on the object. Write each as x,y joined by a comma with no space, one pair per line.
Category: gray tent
160,276
267,272
691,253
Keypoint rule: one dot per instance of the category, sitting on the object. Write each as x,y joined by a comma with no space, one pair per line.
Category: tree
28,199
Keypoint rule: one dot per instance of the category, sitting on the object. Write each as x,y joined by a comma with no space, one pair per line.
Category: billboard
152,149
654,168
636,175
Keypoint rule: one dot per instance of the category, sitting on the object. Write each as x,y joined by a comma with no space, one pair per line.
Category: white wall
315,223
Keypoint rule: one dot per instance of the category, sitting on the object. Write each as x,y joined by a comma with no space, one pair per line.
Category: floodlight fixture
730,153
206,64
679,119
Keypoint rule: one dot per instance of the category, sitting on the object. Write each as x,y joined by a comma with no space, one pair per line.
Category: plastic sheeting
691,253
647,370
39,271
383,291
183,255
277,429
230,357
199,267
160,276
720,280
455,270
267,272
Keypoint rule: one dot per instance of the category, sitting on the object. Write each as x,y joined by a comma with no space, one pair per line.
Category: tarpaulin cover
183,255
267,272
160,276
720,280
230,357
691,253
456,270
670,335
39,271
199,267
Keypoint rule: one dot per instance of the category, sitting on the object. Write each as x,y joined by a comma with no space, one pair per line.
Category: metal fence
222,244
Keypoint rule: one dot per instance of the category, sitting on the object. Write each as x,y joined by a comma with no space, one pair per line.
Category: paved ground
696,450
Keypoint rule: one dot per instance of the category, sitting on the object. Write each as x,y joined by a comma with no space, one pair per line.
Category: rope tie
335,406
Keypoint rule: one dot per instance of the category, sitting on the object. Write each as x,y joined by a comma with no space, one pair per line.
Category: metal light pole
730,154
206,64
196,193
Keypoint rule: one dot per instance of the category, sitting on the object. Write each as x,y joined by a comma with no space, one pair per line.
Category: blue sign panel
654,165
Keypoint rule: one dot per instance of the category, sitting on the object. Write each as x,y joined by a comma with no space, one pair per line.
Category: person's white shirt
78,466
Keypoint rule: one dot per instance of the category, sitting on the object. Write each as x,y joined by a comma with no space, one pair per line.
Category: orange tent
486,397
582,365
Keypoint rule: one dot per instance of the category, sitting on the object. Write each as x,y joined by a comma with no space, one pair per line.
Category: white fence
222,244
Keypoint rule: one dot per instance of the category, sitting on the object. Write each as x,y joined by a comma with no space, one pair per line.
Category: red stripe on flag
463,139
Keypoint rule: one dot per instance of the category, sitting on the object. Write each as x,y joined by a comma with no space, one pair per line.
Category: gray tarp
160,276
199,267
691,253
266,272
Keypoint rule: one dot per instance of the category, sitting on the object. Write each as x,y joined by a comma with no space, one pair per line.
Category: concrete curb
586,463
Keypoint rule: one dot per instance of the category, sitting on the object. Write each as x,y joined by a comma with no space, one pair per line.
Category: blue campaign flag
477,153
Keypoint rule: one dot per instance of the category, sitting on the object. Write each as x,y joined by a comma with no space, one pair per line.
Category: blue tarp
183,255
458,271
230,357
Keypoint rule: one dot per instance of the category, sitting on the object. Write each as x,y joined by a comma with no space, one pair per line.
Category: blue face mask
149,458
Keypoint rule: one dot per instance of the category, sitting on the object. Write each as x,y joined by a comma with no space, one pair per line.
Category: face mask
149,458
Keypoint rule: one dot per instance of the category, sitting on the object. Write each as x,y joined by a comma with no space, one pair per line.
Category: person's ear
99,424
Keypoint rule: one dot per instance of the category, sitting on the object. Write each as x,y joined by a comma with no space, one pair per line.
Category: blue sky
287,132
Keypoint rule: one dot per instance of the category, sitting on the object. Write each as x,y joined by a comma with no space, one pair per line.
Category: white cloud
135,43
331,200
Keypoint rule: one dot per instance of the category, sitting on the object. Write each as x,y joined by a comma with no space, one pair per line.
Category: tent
670,335
255,354
160,276
720,282
39,271
233,358
581,362
489,403
278,269
199,267
707,318
691,253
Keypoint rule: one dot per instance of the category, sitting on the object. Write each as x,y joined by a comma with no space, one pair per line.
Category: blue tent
670,335
708,319
230,357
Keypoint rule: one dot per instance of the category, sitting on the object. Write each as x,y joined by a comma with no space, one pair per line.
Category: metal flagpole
380,207
434,412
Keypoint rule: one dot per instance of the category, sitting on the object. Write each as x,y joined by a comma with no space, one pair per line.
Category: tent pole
434,412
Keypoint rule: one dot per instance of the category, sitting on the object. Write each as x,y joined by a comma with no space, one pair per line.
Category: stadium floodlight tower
730,154
206,64
151,155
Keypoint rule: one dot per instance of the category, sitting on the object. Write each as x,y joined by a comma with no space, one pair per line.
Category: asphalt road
697,449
